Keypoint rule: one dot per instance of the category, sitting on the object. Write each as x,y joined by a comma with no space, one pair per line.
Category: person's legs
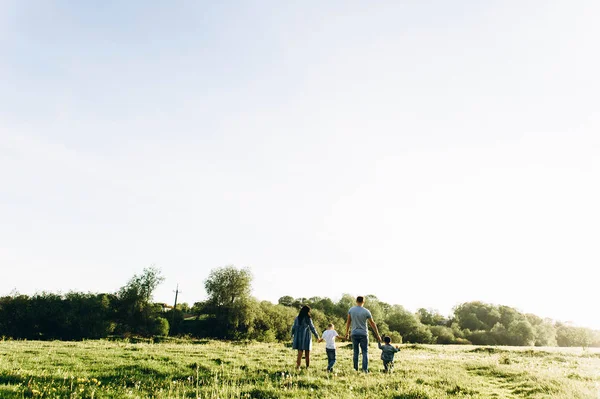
355,347
307,358
299,359
330,359
385,366
364,348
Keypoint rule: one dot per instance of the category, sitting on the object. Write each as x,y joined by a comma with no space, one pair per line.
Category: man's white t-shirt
329,337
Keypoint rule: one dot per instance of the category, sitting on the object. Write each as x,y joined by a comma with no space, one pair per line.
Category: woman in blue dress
301,335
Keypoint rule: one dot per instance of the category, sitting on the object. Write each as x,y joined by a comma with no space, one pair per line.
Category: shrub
395,337
160,327
482,338
442,335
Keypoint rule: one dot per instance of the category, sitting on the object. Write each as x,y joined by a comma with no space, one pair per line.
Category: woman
302,340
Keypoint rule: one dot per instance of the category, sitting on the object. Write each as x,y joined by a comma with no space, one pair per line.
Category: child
387,354
329,337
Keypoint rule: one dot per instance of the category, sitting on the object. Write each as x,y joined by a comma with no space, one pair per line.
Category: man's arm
348,326
375,330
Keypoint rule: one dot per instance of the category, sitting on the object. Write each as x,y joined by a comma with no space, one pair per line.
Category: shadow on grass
490,350
412,395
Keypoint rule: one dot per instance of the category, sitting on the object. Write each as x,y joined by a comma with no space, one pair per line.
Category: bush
265,336
442,335
482,338
160,327
395,337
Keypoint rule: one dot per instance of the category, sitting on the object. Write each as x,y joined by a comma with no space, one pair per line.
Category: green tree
286,301
442,335
227,284
229,303
521,333
431,317
406,323
544,330
136,314
477,316
573,336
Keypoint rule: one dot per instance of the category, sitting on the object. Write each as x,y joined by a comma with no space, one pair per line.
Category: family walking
356,329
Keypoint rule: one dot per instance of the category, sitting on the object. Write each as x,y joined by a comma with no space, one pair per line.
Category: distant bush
482,338
160,327
230,312
442,335
395,337
574,336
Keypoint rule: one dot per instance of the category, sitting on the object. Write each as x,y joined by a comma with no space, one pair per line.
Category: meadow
223,370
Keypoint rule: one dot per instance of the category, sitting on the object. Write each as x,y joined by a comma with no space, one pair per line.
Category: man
357,318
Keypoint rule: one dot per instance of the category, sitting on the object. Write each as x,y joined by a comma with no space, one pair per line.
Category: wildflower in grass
35,392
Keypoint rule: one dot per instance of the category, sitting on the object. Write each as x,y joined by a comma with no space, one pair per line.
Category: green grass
212,369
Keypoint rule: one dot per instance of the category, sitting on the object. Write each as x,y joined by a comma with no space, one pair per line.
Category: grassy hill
213,369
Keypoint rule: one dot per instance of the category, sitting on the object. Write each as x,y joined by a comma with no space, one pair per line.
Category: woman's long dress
301,331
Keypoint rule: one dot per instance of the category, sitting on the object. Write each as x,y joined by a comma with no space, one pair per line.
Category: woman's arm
294,326
312,328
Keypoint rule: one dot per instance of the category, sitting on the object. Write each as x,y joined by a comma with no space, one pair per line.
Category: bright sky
427,152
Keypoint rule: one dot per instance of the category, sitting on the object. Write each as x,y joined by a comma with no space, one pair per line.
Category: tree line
230,312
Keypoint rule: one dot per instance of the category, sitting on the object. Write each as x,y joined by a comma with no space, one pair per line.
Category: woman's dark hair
304,313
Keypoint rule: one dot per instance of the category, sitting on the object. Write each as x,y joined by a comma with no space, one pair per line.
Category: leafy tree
227,284
573,336
508,315
521,333
343,305
160,327
136,314
275,318
431,317
442,334
230,305
286,301
198,308
407,324
544,331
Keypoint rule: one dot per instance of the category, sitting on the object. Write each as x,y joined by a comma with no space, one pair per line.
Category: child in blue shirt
387,354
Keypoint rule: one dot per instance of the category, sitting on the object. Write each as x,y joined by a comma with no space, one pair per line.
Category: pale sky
427,152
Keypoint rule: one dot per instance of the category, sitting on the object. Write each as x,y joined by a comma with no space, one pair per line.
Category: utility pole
176,293
175,305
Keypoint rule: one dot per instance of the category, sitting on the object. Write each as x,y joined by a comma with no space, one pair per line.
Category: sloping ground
211,369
